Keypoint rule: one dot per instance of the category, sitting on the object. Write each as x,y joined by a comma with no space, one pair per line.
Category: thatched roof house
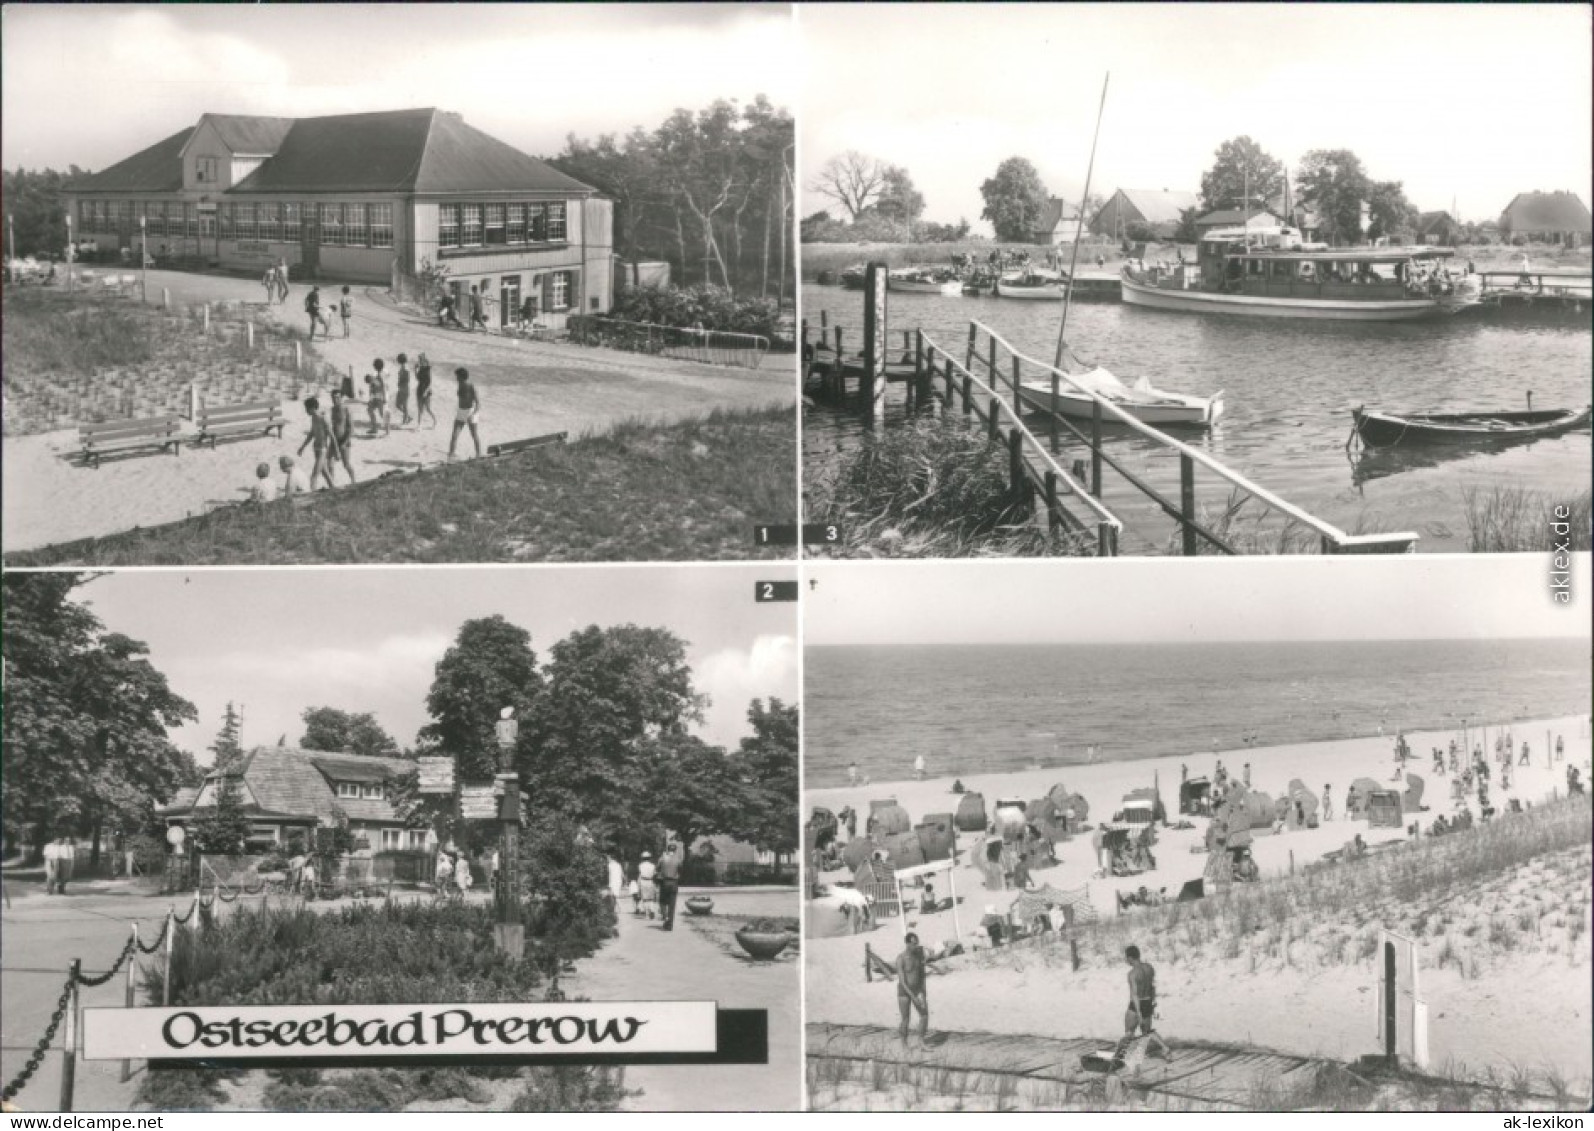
1554,217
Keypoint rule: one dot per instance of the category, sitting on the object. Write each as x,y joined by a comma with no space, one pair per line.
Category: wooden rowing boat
1140,400
1388,429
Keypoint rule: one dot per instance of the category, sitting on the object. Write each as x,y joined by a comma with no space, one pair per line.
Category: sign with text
478,803
571,1029
436,775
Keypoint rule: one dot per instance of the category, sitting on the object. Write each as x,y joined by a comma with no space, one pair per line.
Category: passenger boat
1273,273
1388,429
924,281
1140,400
1042,285
854,277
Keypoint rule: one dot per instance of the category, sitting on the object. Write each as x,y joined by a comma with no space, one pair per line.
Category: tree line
880,202
604,735
710,192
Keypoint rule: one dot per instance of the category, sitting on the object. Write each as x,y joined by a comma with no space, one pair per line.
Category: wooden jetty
1563,290
986,384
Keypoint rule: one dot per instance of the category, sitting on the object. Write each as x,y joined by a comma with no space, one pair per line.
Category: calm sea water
1288,390
971,709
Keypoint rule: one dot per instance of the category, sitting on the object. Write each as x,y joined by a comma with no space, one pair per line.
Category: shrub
182,1088
702,307
572,1089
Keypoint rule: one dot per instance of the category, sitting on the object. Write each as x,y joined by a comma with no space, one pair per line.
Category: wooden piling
1095,448
1187,504
1017,479
872,395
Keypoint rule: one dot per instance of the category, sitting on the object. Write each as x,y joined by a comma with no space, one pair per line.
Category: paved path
648,962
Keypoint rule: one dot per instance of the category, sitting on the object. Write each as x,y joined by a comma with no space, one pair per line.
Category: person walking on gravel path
423,391
376,399
346,310
343,432
401,398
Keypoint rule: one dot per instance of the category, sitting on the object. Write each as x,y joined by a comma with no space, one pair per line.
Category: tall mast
1079,228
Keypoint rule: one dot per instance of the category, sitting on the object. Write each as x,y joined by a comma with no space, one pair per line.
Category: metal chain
224,897
10,1091
121,960
181,919
160,939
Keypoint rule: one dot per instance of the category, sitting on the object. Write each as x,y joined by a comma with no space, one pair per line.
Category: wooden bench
263,417
130,435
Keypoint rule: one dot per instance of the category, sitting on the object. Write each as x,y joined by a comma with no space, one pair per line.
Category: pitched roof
1546,212
249,134
1160,206
422,151
156,169
1231,216
1054,214
290,782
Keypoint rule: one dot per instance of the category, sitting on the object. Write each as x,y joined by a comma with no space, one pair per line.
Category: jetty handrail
1093,504
1325,529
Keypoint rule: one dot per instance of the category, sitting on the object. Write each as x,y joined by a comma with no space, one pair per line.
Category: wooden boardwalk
1218,1076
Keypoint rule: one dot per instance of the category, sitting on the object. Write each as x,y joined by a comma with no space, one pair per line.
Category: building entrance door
508,301
310,242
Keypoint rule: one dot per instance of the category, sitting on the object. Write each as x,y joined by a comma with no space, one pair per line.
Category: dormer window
349,789
207,170
361,791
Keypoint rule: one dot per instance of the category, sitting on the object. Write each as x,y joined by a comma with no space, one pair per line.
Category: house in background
729,859
1438,228
287,793
1547,217
1158,209
1057,223
1260,219
370,198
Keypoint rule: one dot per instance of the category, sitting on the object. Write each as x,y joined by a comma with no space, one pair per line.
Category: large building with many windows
373,198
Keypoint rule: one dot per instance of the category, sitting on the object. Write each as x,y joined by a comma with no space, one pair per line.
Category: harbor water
996,708
1289,386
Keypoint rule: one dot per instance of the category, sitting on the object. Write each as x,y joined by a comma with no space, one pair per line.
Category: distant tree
1337,186
1014,200
86,716
491,666
945,233
327,728
853,180
223,830
695,790
226,749
767,763
1389,214
900,202
38,213
1241,166
1187,232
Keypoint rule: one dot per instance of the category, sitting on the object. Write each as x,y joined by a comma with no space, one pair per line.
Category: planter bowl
763,945
700,905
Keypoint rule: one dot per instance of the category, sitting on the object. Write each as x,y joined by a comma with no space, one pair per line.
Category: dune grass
686,491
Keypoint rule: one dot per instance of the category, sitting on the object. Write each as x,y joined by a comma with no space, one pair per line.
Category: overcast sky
281,640
1471,102
1149,600
92,84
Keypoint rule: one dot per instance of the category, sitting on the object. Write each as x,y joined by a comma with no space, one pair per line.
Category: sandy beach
527,389
1476,1015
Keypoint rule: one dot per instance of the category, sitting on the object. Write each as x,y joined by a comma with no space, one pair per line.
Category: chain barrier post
69,1039
171,936
132,975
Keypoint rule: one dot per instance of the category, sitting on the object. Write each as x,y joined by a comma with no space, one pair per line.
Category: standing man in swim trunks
1142,1005
320,435
468,413
343,432
911,991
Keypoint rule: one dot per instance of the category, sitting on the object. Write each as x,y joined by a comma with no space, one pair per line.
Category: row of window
370,791
393,840
338,225
500,225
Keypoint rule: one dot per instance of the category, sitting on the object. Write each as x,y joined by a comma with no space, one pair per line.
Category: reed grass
1506,520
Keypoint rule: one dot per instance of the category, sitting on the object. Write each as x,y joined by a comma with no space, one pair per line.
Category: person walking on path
401,399
343,432
51,862
320,438
468,413
1328,802
669,881
645,872
1138,1018
478,315
423,391
912,993
269,281
312,307
376,399
345,311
